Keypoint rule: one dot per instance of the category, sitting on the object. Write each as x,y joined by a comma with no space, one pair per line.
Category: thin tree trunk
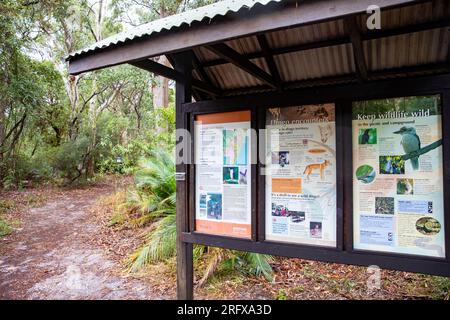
160,90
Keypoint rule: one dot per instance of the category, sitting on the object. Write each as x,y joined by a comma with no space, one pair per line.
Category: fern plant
155,199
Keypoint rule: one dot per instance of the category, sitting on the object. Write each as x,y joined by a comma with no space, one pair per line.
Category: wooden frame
342,96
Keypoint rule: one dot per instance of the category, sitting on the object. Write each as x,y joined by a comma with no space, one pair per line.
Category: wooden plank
358,51
206,87
234,57
202,74
423,85
347,177
286,15
283,50
157,68
195,93
262,40
446,159
340,173
349,78
407,263
185,268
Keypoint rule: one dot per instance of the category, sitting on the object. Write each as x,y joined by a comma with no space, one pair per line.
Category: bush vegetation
153,201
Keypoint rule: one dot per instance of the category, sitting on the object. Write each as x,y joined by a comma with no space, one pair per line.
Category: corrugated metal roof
212,11
333,63
392,53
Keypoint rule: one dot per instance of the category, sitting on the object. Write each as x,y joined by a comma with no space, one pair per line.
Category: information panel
223,174
398,176
301,175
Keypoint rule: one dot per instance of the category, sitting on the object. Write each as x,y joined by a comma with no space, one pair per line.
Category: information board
398,203
223,174
301,175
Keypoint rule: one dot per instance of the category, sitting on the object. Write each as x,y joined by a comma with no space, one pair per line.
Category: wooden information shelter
358,171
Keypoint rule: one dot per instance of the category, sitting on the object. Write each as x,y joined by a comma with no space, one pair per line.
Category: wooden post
185,269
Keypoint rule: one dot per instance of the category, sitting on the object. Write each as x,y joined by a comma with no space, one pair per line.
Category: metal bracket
180,176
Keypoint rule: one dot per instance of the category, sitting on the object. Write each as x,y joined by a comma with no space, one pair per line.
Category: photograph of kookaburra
410,142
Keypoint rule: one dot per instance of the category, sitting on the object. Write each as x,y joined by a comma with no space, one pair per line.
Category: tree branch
423,150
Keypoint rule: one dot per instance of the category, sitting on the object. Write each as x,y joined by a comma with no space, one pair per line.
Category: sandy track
51,256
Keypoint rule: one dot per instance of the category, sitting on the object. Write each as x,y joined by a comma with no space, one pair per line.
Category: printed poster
398,203
301,175
223,174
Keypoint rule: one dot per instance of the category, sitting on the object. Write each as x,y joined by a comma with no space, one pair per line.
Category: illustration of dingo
325,132
311,167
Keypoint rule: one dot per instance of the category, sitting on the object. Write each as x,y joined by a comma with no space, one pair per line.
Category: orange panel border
224,117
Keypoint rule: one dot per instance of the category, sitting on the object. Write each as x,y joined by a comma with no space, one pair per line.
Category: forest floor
63,247
52,254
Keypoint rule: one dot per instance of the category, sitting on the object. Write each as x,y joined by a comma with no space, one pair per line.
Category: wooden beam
157,68
262,40
234,57
282,15
349,78
185,267
196,95
372,35
202,73
206,87
358,51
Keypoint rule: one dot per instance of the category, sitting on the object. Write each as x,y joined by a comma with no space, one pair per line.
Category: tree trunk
93,103
2,128
160,89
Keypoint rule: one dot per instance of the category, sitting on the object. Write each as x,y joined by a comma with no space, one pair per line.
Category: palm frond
215,257
160,246
259,264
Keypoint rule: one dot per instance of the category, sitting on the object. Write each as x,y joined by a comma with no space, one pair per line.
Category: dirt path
52,257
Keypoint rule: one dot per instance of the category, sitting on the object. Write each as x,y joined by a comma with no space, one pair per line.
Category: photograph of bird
367,177
410,142
365,137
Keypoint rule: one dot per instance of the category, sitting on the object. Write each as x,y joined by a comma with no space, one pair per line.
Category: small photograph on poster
202,205
315,229
231,175
405,186
367,136
214,205
243,174
235,147
280,158
365,173
297,216
392,165
384,205
428,226
279,210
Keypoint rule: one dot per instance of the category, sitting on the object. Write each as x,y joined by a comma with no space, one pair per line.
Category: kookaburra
410,142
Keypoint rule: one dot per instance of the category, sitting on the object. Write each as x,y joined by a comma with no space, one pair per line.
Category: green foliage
5,228
281,295
154,198
5,207
442,288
